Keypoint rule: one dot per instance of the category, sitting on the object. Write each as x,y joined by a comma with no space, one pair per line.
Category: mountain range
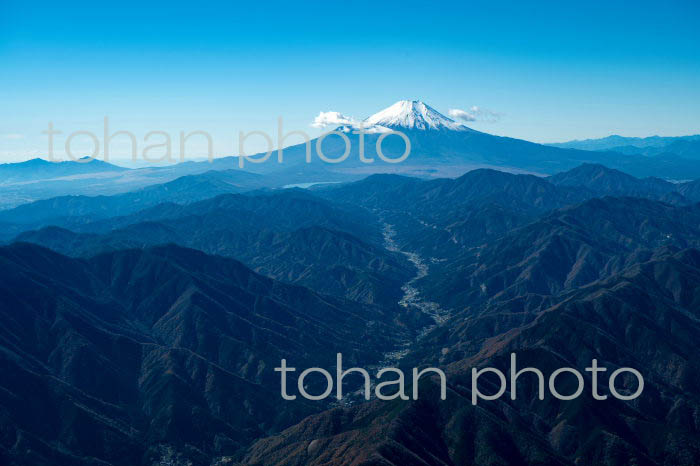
440,147
144,310
684,146
640,317
128,350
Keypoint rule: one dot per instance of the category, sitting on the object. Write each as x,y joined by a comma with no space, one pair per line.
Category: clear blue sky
553,70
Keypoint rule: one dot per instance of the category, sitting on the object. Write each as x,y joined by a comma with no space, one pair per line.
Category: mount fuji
412,115
440,146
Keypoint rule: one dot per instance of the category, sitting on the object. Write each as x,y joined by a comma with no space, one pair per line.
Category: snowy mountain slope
414,115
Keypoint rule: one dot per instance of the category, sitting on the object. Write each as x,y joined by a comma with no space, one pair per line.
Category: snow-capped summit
412,114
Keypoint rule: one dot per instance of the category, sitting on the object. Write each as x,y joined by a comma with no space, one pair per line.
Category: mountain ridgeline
142,325
440,147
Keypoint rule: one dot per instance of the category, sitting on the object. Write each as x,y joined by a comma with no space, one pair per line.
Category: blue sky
553,70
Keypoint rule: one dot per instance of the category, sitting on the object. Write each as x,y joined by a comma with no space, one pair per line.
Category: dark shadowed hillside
118,357
643,317
145,354
566,249
290,236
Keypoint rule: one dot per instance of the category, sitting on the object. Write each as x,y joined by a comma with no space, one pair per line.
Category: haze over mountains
440,146
687,146
144,310
461,148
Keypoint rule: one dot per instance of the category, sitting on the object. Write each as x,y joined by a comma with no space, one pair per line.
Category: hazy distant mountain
527,192
437,142
615,141
95,178
606,181
691,190
40,169
448,215
686,148
71,210
440,146
680,151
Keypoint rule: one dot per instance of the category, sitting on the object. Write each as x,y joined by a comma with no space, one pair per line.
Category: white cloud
475,114
331,119
13,136
459,114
